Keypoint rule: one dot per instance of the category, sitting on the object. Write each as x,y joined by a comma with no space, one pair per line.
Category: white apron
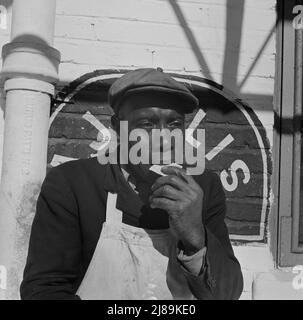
131,263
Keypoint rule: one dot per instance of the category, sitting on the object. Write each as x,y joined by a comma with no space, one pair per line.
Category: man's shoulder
214,198
89,163
210,183
208,179
75,170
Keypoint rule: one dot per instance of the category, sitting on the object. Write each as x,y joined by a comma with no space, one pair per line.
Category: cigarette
157,168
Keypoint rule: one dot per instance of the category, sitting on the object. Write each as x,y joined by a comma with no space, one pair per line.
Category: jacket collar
134,211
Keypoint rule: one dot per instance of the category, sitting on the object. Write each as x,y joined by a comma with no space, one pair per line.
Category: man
120,231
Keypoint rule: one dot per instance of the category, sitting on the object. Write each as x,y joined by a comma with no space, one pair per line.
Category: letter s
298,20
236,165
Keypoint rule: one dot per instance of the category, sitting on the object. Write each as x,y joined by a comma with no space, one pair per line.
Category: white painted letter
298,20
238,164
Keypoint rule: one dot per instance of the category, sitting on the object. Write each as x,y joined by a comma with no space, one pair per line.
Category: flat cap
150,80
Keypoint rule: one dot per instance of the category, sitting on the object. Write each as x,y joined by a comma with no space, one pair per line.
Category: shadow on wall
6,3
234,26
191,39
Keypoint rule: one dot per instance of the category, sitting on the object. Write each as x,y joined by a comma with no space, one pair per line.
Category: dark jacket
70,212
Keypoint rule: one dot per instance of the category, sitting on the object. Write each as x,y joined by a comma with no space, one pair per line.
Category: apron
131,263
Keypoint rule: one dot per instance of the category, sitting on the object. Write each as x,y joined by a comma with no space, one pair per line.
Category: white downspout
30,70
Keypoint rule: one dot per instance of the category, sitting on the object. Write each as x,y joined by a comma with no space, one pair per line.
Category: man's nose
163,143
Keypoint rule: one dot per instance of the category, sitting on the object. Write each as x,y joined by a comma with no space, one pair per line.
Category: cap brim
185,99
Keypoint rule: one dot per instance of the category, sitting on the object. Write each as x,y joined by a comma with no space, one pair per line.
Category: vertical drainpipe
30,70
297,144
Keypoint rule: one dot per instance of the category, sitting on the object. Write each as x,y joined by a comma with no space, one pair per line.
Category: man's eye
176,124
145,124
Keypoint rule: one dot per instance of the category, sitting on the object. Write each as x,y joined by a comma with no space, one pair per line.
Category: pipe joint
30,60
29,85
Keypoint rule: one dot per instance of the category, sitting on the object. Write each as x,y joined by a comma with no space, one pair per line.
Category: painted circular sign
236,145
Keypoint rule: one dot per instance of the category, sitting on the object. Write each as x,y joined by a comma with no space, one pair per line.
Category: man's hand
181,197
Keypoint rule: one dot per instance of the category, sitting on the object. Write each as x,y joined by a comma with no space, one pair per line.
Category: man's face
148,112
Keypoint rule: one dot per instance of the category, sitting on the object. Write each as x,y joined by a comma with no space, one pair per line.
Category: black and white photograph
151,150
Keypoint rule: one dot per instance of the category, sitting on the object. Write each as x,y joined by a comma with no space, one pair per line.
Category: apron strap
113,215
